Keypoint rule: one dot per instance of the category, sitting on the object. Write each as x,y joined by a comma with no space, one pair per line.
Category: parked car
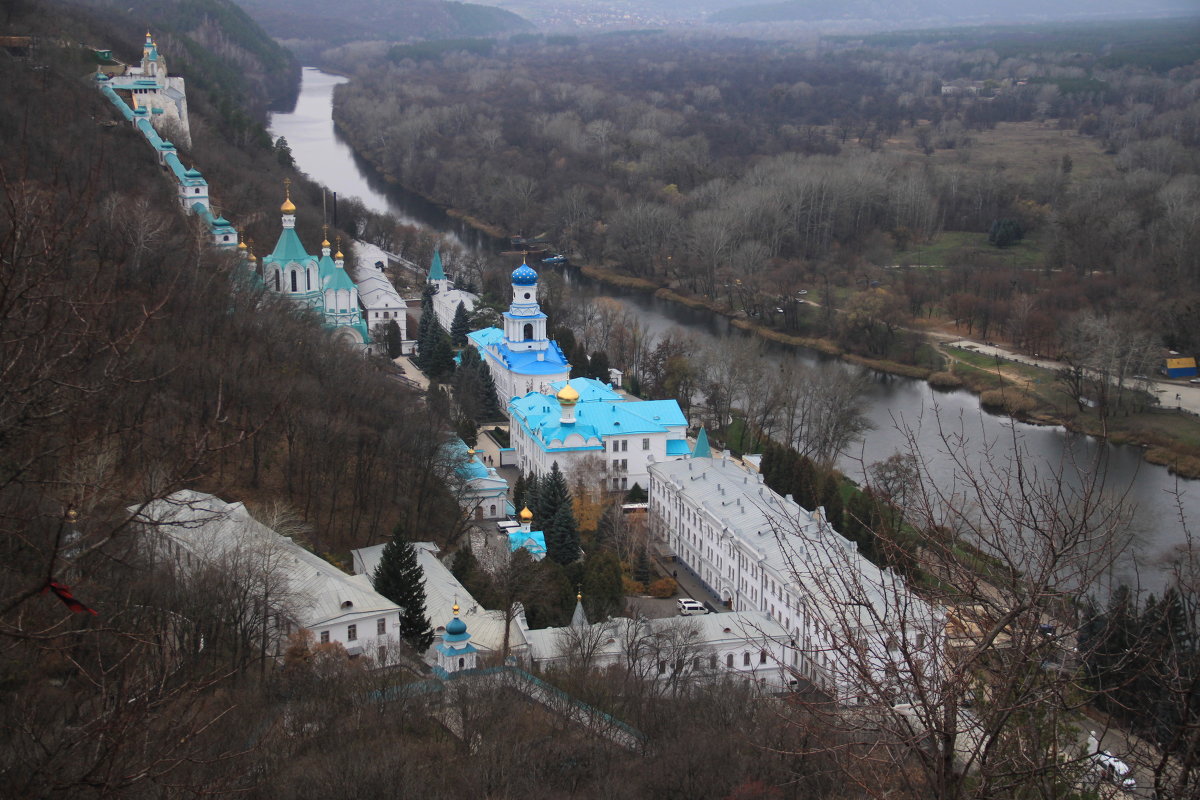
689,607
1194,380
1112,769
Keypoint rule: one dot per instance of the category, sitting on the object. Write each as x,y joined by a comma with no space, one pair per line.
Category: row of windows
712,662
352,631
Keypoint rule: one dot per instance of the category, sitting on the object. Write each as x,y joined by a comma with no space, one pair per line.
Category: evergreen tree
562,535
636,494
642,572
519,492
460,326
440,361
399,578
831,499
489,403
803,481
393,338
603,589
598,366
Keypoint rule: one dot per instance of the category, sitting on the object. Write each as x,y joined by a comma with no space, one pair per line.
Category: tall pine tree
460,326
399,578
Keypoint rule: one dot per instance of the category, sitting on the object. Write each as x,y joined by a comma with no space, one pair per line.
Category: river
898,408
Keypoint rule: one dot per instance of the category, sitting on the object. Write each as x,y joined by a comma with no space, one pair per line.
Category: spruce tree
399,578
393,338
440,361
489,403
598,366
519,492
562,535
460,326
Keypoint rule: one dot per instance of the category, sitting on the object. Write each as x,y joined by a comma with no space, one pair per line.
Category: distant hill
389,20
944,10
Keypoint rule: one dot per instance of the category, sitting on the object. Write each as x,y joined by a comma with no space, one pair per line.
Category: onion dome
456,629
526,514
524,275
567,395
288,206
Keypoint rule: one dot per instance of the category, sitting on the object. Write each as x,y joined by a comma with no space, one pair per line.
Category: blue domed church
317,283
520,356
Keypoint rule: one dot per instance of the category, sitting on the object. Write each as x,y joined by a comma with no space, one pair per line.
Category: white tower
524,322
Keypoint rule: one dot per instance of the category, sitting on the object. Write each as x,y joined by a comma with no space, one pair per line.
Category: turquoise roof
456,631
336,279
678,447
590,389
540,415
466,467
436,273
702,449
524,275
534,542
289,247
521,362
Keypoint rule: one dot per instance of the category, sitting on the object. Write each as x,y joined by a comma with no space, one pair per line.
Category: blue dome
524,276
456,627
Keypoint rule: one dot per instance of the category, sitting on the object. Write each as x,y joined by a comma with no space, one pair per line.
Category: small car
1194,380
1113,769
689,607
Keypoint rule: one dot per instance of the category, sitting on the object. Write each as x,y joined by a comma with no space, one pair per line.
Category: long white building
758,551
300,589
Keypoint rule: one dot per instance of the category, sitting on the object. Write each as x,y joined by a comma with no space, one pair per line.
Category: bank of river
904,411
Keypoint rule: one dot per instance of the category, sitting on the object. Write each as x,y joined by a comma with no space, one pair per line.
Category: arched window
293,280
492,510
277,280
462,663
528,331
308,280
729,660
745,659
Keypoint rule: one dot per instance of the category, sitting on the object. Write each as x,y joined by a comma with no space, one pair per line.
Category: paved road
1171,393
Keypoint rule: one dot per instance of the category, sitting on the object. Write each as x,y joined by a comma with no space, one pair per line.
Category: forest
1000,183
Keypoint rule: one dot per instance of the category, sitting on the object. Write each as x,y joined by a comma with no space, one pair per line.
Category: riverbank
1164,438
1028,393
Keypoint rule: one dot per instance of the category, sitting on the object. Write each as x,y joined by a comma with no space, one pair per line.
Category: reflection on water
903,412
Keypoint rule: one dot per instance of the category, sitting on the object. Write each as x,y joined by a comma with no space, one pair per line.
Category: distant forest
1029,175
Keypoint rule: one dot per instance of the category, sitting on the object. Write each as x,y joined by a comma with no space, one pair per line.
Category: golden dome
338,255
324,243
242,245
526,514
567,395
288,206
454,608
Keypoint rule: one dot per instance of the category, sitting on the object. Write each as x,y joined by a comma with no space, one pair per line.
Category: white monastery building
380,301
589,428
761,552
448,298
301,590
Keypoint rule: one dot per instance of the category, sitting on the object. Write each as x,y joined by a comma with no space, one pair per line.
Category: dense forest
1028,177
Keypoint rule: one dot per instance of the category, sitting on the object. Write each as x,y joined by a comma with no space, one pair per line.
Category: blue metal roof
590,390
521,362
289,247
678,447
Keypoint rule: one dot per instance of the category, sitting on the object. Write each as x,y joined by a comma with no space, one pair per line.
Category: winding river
899,408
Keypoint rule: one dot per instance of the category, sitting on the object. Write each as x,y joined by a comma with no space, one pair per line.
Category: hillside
912,11
311,21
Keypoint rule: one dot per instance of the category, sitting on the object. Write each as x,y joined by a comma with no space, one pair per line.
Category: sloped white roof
213,530
442,591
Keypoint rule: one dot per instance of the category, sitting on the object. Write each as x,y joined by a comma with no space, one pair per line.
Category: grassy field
1022,149
960,247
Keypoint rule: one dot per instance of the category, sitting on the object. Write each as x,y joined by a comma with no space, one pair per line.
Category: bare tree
962,672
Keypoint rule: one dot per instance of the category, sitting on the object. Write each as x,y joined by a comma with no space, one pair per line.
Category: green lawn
960,247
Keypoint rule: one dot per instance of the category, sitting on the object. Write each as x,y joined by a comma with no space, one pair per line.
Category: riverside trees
703,166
